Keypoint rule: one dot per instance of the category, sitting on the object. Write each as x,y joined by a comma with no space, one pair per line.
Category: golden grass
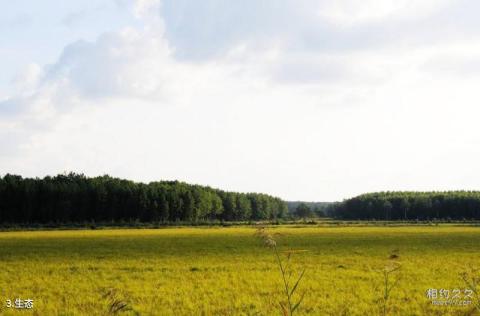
226,271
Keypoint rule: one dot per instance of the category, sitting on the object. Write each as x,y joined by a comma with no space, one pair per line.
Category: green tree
303,211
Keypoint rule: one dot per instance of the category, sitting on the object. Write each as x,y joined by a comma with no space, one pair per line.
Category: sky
306,100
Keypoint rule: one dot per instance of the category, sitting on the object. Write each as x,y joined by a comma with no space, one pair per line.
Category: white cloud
141,8
27,80
129,62
352,12
303,124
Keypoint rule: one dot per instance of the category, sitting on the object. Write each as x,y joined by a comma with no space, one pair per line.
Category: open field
226,271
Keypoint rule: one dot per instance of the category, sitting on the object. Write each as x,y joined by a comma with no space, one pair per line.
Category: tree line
70,198
455,205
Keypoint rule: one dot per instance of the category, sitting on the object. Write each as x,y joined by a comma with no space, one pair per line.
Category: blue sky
37,32
312,100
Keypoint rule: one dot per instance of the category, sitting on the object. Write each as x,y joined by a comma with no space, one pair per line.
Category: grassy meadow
227,271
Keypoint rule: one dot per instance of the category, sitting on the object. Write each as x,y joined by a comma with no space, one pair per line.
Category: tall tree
303,211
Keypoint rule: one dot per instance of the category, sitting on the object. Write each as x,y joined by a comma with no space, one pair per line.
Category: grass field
226,271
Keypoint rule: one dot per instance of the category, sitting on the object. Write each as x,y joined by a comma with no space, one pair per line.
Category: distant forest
75,198
318,209
455,205
70,198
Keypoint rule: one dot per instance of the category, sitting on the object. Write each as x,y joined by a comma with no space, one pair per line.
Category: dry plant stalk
388,286
290,306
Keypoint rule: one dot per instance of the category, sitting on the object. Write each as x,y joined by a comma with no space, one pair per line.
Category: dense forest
75,198
455,205
71,198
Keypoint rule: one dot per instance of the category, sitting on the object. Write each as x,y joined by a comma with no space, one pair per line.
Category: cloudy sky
313,100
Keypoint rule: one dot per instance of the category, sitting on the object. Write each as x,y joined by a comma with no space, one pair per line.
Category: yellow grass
226,271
